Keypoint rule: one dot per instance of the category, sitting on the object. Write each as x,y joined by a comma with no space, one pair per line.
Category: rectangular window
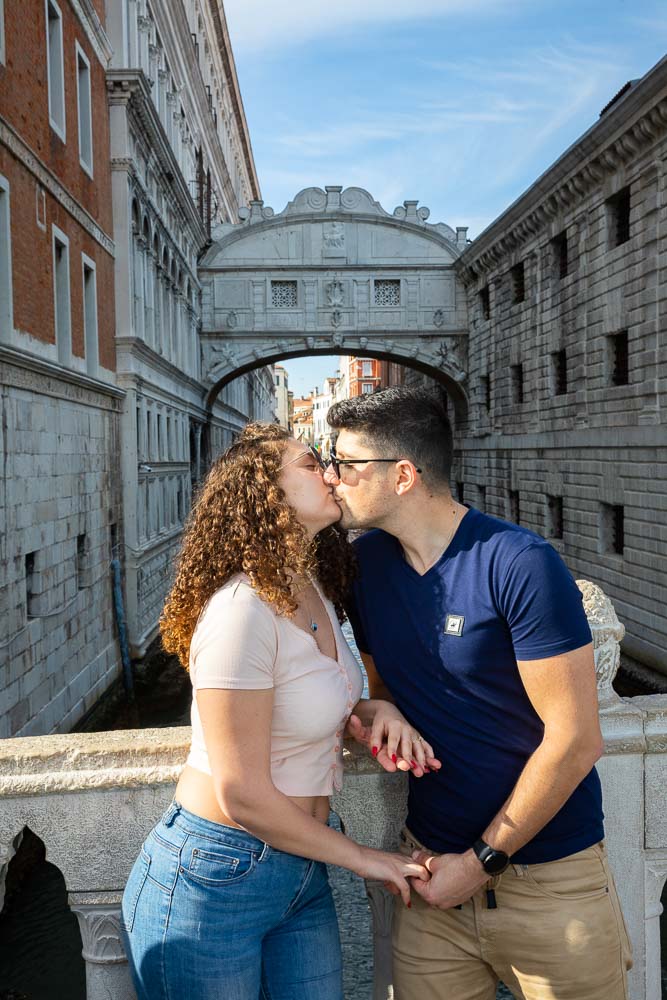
31,595
485,382
90,314
55,67
2,31
81,562
83,93
481,498
61,296
460,492
617,358
612,528
366,368
518,283
554,516
618,218
283,294
516,375
514,506
6,293
559,373
366,388
485,302
560,261
388,292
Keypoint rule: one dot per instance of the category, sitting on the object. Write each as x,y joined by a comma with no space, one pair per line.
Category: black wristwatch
493,862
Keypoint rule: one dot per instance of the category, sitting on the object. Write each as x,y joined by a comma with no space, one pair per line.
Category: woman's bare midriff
196,794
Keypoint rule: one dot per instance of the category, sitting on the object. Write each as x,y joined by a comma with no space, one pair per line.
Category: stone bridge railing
93,797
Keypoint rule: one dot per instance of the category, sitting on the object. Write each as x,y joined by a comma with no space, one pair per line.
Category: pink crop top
241,643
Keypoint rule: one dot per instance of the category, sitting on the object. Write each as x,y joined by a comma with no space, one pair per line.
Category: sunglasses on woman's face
311,453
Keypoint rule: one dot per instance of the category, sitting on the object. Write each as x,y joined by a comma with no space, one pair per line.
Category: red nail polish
413,763
409,906
375,751
394,758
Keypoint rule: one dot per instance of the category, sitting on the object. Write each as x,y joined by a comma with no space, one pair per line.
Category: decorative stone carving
310,343
334,293
337,339
333,239
438,318
336,317
99,921
221,367
363,342
607,633
232,320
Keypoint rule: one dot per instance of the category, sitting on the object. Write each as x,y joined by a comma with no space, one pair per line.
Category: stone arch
334,273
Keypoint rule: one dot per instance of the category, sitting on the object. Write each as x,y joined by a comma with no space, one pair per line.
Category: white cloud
264,24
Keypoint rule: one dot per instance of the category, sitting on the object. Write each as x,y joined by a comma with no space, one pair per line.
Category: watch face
495,862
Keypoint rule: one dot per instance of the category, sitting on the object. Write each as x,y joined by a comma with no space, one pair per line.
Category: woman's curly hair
241,522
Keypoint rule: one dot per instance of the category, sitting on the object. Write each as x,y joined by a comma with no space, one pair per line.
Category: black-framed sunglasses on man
336,462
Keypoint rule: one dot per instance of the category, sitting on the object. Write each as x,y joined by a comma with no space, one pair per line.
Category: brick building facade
568,361
60,506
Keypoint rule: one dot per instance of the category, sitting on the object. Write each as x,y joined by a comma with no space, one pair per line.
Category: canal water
40,944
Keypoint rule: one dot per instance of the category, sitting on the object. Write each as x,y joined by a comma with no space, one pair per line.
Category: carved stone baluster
107,971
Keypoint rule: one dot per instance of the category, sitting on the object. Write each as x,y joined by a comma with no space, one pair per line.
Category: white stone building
322,402
281,388
181,162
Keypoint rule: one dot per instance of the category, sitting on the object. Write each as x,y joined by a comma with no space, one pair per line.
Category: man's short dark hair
405,423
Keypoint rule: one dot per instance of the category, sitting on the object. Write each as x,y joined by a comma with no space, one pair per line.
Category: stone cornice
625,131
25,155
14,359
225,46
94,29
131,88
138,348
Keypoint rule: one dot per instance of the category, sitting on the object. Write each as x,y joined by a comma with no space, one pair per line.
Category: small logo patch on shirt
454,624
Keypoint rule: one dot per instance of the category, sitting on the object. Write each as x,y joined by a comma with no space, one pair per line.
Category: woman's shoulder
237,597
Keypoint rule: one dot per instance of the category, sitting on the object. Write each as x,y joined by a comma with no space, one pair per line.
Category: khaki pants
557,933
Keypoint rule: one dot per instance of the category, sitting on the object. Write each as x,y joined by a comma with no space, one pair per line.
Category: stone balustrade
92,798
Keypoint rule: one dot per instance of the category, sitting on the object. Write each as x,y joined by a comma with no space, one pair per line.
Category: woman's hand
392,869
395,744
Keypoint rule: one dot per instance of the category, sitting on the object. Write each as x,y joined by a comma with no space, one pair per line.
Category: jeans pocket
135,884
211,866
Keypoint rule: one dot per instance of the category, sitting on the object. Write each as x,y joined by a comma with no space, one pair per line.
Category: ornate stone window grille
283,294
388,292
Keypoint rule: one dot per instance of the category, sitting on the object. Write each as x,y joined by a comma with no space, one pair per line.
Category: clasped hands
394,743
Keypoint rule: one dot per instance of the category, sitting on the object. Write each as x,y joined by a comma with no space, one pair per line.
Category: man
475,628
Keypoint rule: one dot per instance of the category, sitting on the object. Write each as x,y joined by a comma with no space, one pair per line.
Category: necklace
312,624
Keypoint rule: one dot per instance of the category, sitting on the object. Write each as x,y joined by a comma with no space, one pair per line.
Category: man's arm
376,686
563,691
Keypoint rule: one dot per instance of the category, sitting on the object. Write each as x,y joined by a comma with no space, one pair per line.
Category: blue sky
459,103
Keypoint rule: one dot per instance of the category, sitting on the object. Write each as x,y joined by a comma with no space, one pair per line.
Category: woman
229,898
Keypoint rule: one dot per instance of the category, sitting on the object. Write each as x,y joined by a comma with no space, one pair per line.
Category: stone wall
60,517
566,363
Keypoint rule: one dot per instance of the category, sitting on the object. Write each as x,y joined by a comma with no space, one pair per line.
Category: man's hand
454,878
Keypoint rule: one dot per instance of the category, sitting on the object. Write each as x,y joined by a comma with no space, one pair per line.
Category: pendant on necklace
313,626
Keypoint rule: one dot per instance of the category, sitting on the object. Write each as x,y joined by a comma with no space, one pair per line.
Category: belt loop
171,813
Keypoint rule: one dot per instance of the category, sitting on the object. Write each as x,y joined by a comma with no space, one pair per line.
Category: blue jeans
212,913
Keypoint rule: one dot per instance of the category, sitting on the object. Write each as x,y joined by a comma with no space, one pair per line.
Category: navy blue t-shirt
446,645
